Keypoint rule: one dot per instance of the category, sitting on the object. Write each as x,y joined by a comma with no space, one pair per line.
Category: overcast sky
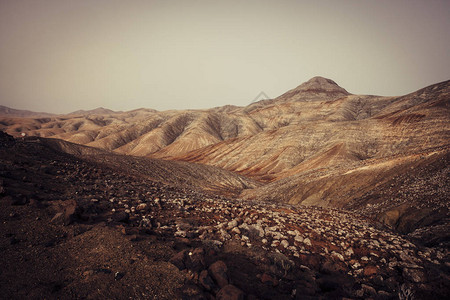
63,55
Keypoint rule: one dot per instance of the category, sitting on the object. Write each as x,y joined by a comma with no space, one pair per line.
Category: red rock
370,270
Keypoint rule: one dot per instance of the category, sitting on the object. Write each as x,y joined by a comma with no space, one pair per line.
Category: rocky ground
72,228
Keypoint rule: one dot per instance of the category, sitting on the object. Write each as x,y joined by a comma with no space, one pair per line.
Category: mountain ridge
297,145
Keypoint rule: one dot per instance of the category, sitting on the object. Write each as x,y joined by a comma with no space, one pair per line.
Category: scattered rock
307,242
267,279
370,271
414,275
178,260
121,216
206,281
230,292
67,212
368,290
195,260
141,207
218,271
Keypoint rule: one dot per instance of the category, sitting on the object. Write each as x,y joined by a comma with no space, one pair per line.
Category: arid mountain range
301,144
316,193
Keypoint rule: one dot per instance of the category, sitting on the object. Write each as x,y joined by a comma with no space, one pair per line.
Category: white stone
236,230
349,252
298,238
141,206
284,243
307,242
337,255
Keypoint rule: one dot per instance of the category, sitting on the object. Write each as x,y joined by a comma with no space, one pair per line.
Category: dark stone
281,265
305,288
331,266
391,284
335,283
181,243
368,290
328,284
121,216
192,292
414,275
230,292
20,200
179,259
267,279
218,271
118,275
196,261
206,281
67,212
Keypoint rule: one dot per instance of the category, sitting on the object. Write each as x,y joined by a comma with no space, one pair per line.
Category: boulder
206,281
179,259
121,216
230,292
218,271
370,271
67,212
195,260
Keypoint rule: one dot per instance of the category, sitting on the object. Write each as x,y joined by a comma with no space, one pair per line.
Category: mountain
10,112
316,144
315,89
318,193
97,111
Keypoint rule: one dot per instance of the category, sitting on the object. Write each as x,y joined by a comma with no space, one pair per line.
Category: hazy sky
64,55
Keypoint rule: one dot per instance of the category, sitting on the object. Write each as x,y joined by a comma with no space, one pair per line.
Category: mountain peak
96,111
320,84
317,88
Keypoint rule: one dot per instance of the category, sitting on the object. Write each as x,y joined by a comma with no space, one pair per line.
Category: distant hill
10,112
96,111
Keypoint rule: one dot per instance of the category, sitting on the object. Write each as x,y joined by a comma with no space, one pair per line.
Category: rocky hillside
186,176
78,224
317,144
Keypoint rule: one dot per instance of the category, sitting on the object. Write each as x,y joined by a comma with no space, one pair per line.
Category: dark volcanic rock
218,271
206,281
230,292
67,212
196,260
179,259
121,216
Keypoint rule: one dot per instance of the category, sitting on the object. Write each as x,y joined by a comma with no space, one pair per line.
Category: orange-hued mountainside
316,193
316,144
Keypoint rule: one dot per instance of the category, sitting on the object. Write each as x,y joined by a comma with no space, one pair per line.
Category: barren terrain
318,193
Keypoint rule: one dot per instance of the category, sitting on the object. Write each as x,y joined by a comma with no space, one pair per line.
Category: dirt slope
317,144
74,228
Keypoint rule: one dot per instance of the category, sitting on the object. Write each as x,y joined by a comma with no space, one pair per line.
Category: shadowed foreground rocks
72,228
